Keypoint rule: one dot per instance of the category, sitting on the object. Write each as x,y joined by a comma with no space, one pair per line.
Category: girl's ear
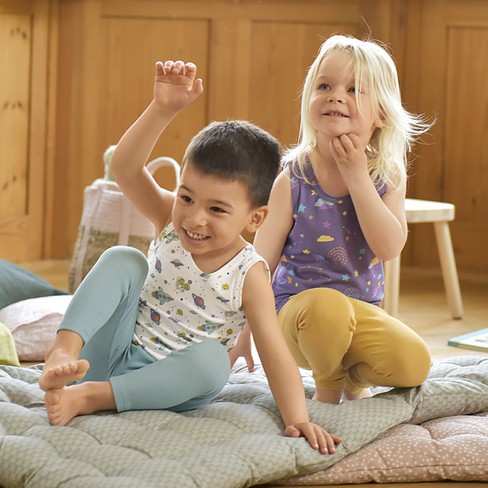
256,218
380,120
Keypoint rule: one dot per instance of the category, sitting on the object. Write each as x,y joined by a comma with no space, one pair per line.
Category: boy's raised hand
175,86
317,437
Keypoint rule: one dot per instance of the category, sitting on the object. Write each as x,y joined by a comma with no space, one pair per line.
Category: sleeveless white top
181,305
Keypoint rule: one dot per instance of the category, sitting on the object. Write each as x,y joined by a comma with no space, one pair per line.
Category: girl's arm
280,367
271,236
382,219
175,88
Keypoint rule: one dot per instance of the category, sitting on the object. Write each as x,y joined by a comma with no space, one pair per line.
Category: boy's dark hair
237,150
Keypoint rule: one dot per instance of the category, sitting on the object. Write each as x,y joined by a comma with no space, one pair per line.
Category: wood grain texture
23,105
252,54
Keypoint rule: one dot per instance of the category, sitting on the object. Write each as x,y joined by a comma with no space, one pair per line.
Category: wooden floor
422,305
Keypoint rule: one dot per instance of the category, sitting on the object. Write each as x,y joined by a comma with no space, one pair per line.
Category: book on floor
473,340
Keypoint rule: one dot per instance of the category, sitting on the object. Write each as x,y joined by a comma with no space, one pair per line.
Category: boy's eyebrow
214,202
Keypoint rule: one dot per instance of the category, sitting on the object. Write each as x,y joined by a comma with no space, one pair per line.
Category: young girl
155,333
336,212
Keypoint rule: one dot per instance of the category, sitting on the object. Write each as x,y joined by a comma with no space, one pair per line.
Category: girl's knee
408,367
420,365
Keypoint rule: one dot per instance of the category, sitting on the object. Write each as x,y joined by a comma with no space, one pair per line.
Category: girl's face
333,103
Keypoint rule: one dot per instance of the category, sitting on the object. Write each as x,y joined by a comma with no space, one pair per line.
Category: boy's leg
384,351
100,317
184,380
318,326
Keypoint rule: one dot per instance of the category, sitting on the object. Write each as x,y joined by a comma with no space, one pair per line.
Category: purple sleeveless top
326,247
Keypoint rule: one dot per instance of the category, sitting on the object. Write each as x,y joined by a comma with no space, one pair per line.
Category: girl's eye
185,198
355,89
324,86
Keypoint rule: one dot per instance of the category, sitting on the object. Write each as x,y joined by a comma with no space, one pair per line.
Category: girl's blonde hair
389,146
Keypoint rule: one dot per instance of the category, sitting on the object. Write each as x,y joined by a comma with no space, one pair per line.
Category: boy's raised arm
280,367
175,87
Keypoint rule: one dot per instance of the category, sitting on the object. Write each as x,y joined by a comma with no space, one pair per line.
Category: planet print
338,255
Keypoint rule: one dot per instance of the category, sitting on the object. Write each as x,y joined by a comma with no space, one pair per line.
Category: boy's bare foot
60,369
63,404
364,393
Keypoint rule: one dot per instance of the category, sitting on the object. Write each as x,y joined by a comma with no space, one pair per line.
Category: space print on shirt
181,305
326,247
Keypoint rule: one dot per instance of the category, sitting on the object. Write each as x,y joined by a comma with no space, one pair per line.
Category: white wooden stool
440,214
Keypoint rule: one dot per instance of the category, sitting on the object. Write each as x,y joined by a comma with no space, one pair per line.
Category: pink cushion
33,324
449,448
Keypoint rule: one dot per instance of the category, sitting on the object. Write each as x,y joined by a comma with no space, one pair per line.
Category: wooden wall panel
452,166
275,88
466,144
23,108
77,157
252,56
15,59
466,147
86,73
132,48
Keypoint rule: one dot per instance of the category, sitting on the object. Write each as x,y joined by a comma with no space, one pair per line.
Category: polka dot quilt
435,431
450,448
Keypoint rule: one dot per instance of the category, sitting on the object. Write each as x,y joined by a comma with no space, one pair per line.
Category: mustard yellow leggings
349,344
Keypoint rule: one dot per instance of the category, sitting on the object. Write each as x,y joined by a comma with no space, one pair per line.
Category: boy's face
209,213
333,102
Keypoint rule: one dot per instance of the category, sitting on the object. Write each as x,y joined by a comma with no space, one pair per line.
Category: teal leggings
103,312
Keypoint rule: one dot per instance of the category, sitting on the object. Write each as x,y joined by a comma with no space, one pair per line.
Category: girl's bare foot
327,396
63,404
60,369
364,393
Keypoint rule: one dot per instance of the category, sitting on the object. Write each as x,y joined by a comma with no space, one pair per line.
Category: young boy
155,333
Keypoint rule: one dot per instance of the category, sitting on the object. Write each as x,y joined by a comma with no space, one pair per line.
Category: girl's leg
350,344
99,320
184,380
318,326
384,351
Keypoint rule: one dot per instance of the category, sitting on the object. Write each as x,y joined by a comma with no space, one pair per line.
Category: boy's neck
213,261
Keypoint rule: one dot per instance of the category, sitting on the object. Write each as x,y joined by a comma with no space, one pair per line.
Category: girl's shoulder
300,169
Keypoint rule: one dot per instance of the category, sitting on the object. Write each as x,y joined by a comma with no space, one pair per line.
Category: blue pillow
18,284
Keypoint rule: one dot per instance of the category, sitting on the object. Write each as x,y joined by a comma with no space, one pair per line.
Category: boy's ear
257,218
